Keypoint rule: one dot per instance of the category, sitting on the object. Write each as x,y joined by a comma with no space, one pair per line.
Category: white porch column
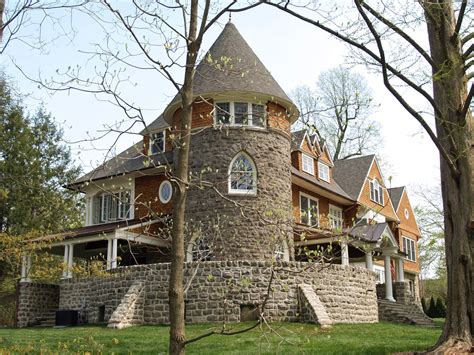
65,262
69,262
400,273
388,279
109,254
114,253
344,254
368,260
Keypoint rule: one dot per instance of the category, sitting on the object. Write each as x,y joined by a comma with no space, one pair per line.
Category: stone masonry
311,308
35,300
219,290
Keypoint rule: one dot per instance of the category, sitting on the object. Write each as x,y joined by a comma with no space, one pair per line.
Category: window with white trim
323,171
376,192
380,272
308,164
281,251
409,248
109,207
240,114
242,175
309,213
335,217
157,142
165,191
199,249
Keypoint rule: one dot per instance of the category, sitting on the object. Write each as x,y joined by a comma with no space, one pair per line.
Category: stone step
403,313
312,309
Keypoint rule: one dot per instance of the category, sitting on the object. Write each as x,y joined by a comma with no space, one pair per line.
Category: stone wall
248,226
219,290
35,300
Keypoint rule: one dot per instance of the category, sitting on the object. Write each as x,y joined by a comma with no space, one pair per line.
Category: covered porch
110,245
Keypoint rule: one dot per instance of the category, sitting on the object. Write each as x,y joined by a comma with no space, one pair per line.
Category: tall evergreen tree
34,167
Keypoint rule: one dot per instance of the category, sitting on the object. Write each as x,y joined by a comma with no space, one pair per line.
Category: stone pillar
25,268
368,260
388,279
400,273
113,264
70,261
66,260
344,254
109,254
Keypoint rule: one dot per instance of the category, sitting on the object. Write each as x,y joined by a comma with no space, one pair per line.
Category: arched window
282,252
242,175
199,249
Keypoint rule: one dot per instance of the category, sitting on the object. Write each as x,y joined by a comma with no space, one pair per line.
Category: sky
294,52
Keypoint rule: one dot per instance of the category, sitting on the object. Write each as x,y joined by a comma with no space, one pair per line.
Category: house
258,194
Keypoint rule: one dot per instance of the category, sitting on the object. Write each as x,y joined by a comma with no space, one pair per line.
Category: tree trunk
176,289
454,133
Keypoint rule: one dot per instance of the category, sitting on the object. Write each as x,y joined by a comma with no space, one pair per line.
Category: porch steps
47,319
403,313
311,308
130,309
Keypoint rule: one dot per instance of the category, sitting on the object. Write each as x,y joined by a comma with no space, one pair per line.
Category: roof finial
230,16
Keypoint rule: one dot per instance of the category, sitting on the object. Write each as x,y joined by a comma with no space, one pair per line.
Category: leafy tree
432,309
440,308
34,167
338,112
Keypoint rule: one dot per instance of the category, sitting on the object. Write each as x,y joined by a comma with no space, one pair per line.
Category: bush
432,311
440,308
423,305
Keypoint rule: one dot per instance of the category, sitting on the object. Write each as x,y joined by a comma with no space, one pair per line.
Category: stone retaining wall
220,289
35,300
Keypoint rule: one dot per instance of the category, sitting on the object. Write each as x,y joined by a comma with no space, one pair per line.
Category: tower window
240,114
242,175
157,142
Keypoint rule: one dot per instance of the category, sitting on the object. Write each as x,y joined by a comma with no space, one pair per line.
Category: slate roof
296,139
231,65
350,174
332,187
396,195
157,125
131,159
368,232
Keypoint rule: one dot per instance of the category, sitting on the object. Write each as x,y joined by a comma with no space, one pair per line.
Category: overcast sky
295,53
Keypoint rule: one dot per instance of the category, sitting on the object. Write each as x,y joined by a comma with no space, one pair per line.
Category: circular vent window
165,192
407,214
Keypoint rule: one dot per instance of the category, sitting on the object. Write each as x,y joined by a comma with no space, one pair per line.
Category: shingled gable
396,196
350,174
231,66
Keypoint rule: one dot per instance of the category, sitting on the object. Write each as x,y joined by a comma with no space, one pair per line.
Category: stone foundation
220,289
35,300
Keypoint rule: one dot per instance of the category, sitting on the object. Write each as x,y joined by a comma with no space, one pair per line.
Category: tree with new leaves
339,112
380,34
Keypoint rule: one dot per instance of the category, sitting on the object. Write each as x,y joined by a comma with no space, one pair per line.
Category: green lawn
281,338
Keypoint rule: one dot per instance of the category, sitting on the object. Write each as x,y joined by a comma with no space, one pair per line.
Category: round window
407,214
166,191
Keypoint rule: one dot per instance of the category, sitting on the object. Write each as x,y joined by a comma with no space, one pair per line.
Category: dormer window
157,142
240,114
376,192
323,171
308,164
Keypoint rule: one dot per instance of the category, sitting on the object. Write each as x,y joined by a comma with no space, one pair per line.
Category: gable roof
231,65
350,174
396,195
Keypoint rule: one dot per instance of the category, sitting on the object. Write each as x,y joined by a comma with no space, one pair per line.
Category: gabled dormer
156,137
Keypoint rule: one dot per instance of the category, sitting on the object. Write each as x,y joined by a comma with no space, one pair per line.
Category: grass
284,338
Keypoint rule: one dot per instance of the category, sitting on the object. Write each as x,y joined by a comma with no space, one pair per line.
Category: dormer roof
231,66
396,195
157,125
350,174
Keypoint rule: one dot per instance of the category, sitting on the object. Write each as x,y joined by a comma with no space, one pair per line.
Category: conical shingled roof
231,65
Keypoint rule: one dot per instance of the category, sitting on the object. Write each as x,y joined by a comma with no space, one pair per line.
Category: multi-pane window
309,214
409,248
335,217
242,175
240,114
281,251
376,192
308,164
157,142
109,207
201,250
323,171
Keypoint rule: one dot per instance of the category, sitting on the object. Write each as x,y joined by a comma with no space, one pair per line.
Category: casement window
242,175
240,114
335,217
323,171
309,213
409,248
109,207
376,192
157,142
199,249
308,164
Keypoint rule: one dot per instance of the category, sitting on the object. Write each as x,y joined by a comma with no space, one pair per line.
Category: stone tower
239,205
